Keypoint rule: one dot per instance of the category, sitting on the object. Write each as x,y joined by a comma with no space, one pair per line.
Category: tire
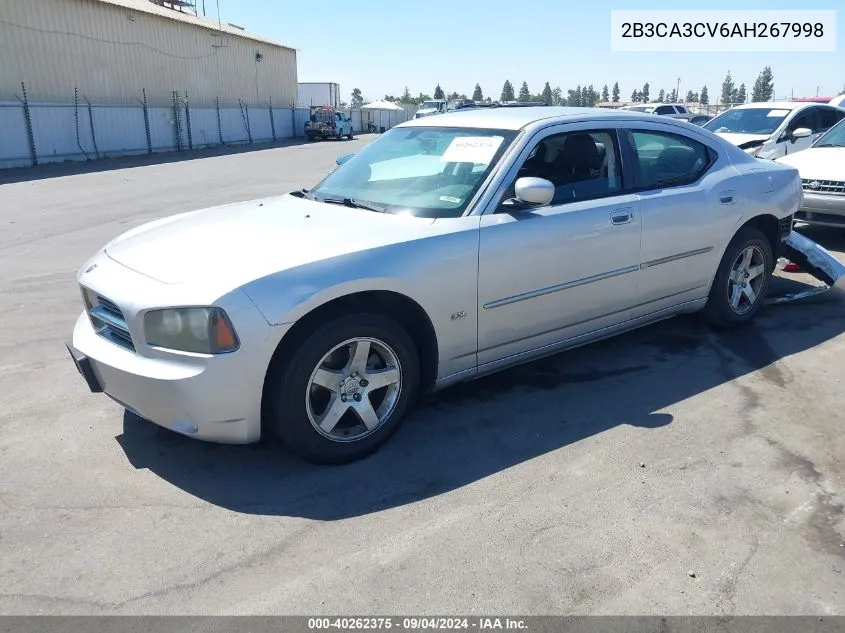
723,309
351,135
299,404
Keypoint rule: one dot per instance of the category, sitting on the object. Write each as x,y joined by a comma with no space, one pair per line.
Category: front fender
439,274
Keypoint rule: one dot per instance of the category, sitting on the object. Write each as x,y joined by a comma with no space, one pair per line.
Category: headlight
200,330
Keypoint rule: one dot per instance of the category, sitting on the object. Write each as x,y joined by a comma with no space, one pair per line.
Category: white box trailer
318,94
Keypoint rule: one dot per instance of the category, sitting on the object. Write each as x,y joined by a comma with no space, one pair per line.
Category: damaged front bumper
815,260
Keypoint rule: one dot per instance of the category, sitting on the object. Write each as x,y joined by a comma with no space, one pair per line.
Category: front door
556,272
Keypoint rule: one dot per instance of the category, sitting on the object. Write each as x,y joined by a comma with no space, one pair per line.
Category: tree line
587,96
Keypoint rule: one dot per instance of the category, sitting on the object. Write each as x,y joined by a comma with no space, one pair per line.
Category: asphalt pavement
674,470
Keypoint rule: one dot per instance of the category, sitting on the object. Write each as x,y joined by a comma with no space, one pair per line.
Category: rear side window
681,110
665,110
668,160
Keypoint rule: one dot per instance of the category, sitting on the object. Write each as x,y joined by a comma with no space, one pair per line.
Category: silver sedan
449,248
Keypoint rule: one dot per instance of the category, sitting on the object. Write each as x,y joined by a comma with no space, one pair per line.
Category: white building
113,50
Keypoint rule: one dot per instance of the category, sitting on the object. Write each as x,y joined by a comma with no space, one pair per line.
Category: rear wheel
345,389
351,135
742,280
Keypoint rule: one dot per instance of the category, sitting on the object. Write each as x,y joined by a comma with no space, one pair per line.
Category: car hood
233,244
739,139
818,163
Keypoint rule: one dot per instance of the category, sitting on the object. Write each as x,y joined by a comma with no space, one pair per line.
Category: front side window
665,110
422,171
581,165
681,110
805,119
762,121
667,159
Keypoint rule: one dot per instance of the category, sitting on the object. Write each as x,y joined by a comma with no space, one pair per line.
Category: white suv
777,128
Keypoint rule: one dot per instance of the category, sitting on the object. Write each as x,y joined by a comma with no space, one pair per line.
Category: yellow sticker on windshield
472,149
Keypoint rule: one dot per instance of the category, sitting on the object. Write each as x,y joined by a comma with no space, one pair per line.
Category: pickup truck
328,123
432,106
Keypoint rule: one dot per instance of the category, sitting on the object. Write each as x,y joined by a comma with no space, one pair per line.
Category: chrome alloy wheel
746,279
354,389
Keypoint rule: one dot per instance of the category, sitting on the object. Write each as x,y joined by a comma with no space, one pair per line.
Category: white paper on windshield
472,149
778,113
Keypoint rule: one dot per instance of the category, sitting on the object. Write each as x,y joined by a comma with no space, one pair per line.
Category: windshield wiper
303,193
355,204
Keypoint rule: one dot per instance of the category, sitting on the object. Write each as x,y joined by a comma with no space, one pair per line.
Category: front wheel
351,135
345,389
742,280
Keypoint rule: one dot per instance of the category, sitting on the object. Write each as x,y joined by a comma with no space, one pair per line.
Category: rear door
690,197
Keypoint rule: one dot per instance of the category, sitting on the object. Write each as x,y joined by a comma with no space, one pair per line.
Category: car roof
518,118
777,105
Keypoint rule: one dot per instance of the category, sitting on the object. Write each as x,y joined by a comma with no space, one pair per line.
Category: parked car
777,128
699,119
328,123
822,170
448,248
430,107
460,104
674,110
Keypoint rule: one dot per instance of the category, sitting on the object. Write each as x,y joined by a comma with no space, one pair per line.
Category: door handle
621,216
726,197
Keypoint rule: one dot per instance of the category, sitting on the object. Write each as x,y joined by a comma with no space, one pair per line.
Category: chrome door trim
674,258
533,294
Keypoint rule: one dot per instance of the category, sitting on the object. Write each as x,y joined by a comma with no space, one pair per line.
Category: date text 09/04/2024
417,623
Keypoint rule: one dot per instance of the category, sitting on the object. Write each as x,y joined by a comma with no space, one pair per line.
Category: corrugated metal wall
113,53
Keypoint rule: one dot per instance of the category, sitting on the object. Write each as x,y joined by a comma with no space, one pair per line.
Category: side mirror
343,158
801,132
534,191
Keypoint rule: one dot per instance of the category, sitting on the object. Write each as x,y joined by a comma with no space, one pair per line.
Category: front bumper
822,209
210,398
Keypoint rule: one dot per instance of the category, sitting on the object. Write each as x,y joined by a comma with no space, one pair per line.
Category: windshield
428,105
834,137
762,121
425,171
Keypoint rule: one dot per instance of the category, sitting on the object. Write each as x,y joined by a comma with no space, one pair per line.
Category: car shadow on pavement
471,431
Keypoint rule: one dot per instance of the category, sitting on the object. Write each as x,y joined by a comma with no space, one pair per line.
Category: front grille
785,226
109,322
823,186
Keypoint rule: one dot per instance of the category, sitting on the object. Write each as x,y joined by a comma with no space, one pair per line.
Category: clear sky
380,46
